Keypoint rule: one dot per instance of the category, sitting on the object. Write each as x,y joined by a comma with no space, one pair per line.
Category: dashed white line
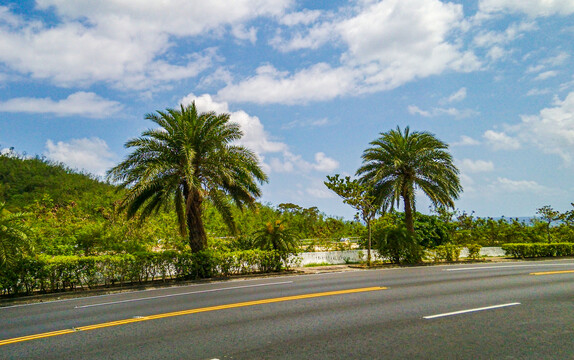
181,294
469,311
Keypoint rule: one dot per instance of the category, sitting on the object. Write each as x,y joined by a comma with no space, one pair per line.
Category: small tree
360,198
276,236
549,215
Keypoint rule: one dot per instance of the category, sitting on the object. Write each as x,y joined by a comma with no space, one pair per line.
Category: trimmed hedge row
532,250
61,273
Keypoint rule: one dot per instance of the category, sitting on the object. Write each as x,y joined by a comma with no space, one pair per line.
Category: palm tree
14,236
398,163
189,159
276,236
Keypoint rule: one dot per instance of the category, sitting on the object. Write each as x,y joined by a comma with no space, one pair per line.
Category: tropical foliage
14,238
277,236
189,158
400,162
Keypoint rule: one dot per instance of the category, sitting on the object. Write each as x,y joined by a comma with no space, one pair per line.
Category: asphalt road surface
516,310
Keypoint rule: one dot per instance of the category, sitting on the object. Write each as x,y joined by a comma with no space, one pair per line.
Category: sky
311,84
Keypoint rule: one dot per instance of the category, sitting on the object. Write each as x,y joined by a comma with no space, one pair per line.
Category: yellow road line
553,272
36,336
186,312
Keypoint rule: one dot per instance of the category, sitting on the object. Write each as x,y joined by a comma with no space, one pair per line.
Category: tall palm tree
398,163
14,236
190,158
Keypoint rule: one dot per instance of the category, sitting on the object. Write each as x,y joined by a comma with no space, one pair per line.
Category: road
516,310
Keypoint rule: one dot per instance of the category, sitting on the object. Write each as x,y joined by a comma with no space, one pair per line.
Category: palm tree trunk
195,229
369,247
409,220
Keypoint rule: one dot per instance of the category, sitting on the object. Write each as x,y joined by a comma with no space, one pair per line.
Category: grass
317,264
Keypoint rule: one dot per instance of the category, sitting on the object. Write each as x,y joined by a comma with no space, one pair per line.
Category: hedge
532,250
61,273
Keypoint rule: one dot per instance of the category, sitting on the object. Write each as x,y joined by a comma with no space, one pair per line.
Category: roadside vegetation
183,205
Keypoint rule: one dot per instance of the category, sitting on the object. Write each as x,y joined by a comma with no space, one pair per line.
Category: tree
398,163
190,158
14,236
360,197
275,235
549,215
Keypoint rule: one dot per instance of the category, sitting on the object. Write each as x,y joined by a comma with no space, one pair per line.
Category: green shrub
533,250
398,245
61,273
474,251
446,252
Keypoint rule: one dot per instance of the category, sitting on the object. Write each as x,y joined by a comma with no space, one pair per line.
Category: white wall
342,257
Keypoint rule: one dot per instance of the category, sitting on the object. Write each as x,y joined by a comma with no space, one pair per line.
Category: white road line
469,311
505,266
181,294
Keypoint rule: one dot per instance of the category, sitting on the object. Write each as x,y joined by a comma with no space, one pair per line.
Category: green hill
24,181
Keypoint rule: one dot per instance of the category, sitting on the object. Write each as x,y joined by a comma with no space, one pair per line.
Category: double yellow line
186,312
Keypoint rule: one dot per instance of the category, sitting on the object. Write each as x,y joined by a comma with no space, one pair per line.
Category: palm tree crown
190,158
398,163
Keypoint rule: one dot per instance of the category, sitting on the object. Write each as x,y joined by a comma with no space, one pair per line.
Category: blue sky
310,82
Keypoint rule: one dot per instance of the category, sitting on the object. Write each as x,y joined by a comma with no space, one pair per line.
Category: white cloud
532,8
546,75
240,32
457,96
269,85
536,92
456,113
496,53
122,42
415,110
475,166
501,141
466,141
291,162
508,185
91,155
304,17
324,163
78,104
306,123
318,190
552,130
513,32
258,140
388,44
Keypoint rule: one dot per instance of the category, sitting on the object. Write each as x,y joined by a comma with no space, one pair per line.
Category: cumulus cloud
387,43
122,42
78,104
260,141
501,141
552,130
269,85
87,154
